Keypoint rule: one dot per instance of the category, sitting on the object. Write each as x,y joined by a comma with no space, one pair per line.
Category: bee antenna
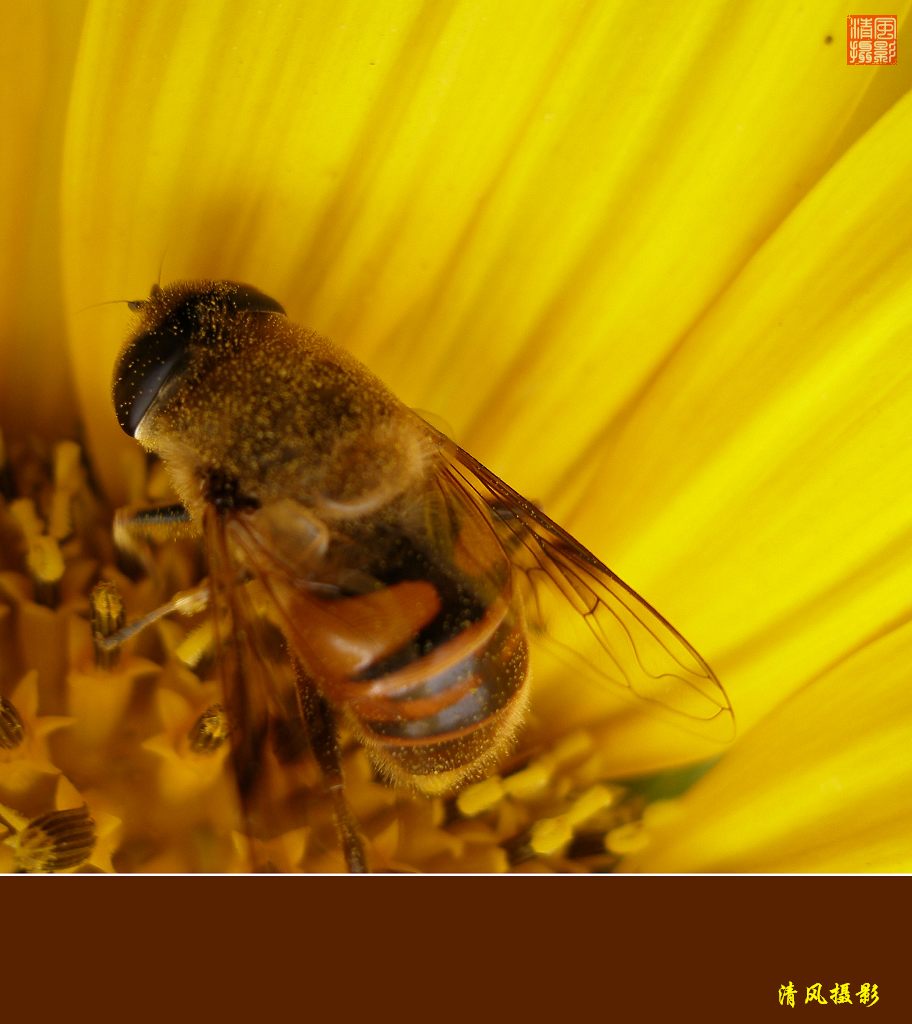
108,302
161,266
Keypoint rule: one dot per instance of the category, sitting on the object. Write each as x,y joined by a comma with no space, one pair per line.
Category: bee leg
132,523
109,633
321,728
151,516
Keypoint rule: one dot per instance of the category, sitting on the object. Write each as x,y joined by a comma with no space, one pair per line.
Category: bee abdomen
448,714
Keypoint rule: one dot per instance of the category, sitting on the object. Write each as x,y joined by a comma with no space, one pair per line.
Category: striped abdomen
446,714
430,667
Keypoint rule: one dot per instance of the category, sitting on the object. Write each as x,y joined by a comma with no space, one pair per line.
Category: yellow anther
44,559
27,519
480,797
596,799
67,466
629,838
67,480
60,519
577,744
531,780
550,835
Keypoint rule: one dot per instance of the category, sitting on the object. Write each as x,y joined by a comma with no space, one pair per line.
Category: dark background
417,948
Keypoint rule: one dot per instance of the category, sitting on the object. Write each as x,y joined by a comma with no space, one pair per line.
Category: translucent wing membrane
258,694
589,616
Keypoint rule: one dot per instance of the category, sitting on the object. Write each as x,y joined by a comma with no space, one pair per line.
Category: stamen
108,618
26,517
529,781
629,838
481,797
579,832
209,731
68,478
43,558
11,731
550,835
57,841
188,602
597,798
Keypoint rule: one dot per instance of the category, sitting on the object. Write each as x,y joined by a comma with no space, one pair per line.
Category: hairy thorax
286,414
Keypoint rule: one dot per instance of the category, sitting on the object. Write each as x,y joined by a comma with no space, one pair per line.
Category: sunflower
649,262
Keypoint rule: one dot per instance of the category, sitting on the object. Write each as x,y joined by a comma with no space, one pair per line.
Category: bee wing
615,636
258,697
245,703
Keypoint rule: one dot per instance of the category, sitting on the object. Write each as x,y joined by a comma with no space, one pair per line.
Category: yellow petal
824,783
763,480
22,766
37,54
447,186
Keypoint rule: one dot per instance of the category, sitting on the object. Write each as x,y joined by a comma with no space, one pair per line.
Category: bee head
173,321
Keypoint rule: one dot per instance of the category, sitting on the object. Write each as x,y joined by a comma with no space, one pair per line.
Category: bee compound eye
142,371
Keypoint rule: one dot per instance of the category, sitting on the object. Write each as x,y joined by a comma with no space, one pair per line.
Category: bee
405,577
